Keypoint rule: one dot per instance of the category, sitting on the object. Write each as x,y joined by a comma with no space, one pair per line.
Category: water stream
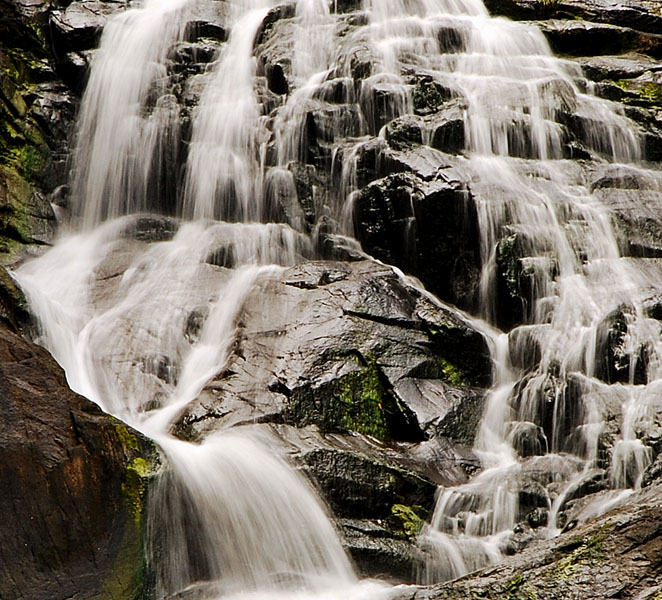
228,511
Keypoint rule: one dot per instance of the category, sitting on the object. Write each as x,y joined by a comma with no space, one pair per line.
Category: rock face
36,118
374,390
345,347
72,486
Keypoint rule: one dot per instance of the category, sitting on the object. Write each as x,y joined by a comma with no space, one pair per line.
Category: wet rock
150,228
462,421
537,518
346,6
72,486
403,132
653,473
615,361
343,346
428,229
641,15
448,134
624,66
376,553
531,495
429,95
634,198
192,58
527,439
36,113
594,481
79,25
525,346
14,310
555,404
207,21
358,487
582,38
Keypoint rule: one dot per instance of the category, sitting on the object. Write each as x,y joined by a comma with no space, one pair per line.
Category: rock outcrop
73,482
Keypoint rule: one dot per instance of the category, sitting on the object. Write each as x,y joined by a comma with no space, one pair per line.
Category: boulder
79,25
642,15
73,483
427,228
346,347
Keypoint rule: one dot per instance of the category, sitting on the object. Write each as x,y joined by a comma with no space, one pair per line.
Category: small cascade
231,512
228,132
128,120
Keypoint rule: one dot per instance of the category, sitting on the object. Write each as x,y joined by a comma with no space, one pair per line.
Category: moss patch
408,520
518,589
362,399
452,373
127,439
359,399
588,553
651,93
135,487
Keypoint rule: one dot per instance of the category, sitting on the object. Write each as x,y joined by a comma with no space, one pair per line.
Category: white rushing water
227,511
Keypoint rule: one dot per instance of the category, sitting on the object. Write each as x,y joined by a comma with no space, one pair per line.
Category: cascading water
110,297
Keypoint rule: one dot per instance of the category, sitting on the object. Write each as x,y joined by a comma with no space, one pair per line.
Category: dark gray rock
585,38
428,229
634,197
404,132
528,439
642,15
343,346
377,553
79,25
356,486
623,66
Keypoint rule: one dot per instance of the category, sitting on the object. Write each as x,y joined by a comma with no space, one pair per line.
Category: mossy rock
360,400
407,520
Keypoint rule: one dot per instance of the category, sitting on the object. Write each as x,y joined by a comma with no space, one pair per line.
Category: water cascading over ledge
412,127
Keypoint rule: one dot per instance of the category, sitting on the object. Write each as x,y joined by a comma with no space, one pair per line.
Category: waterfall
141,321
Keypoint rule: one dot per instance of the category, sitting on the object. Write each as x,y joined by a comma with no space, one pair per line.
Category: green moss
127,578
127,439
651,93
452,373
623,84
363,402
407,519
589,553
518,589
134,488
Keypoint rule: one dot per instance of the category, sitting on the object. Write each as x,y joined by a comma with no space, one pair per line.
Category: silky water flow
114,298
